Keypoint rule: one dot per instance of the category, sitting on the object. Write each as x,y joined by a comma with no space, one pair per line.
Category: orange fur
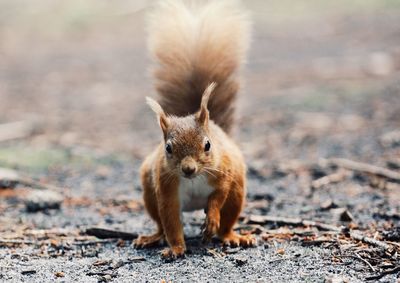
195,144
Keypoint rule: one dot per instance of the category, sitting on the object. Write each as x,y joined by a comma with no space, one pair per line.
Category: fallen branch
264,219
110,234
384,273
371,241
364,168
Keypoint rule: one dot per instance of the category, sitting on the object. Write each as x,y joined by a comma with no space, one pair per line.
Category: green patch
31,158
40,159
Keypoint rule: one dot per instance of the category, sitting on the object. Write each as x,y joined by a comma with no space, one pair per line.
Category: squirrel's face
188,147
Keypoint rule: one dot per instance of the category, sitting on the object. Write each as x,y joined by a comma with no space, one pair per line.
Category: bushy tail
195,43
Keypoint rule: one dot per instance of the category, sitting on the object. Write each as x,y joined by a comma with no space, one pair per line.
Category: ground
321,83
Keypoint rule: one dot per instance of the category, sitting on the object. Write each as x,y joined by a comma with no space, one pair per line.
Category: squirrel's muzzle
188,167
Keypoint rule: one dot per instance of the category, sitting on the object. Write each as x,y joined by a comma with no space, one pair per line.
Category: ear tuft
154,106
207,94
203,115
162,118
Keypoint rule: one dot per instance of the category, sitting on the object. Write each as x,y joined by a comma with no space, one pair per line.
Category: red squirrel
199,47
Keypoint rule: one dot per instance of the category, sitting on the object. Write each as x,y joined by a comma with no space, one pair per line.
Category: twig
366,262
371,241
110,234
264,219
317,242
360,258
365,168
95,242
330,179
282,258
384,273
100,273
393,243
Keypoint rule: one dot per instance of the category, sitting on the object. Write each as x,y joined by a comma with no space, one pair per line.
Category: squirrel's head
188,146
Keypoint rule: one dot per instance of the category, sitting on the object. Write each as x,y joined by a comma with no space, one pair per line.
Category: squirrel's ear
203,114
162,117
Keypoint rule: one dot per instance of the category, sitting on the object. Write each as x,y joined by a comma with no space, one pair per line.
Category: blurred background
319,75
322,81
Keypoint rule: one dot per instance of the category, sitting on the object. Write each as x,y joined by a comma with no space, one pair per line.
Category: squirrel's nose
188,170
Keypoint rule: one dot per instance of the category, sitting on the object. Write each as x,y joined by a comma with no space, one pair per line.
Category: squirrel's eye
207,146
168,148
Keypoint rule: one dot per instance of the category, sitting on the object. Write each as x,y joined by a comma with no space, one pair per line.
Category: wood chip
59,274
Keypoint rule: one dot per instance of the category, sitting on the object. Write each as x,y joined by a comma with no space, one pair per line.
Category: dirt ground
321,89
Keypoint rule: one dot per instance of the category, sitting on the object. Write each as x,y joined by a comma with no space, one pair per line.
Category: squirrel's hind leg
229,215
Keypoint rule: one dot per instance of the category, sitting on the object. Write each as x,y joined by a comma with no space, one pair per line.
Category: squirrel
198,47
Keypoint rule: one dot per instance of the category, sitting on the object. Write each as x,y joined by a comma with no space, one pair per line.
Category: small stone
107,277
328,204
28,272
39,200
117,264
8,178
336,279
343,214
346,216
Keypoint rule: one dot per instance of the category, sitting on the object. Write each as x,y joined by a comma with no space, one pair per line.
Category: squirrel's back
195,43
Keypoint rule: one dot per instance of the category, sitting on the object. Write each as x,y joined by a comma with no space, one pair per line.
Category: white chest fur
194,193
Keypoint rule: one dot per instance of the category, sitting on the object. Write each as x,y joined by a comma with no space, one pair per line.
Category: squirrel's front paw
210,228
173,252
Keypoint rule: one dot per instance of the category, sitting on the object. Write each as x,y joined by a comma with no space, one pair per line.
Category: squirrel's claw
209,229
173,253
235,240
